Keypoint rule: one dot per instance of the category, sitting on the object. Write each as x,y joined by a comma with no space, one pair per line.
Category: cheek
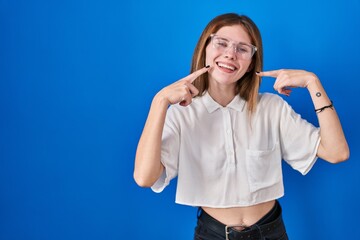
250,66
209,56
246,67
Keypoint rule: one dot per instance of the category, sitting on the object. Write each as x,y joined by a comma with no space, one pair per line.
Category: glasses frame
253,48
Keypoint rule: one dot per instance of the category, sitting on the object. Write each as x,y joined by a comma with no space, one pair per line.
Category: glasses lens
220,43
243,51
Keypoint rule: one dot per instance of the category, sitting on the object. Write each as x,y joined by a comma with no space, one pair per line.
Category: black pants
269,227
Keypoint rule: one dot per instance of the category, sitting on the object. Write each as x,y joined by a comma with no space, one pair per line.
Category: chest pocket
263,167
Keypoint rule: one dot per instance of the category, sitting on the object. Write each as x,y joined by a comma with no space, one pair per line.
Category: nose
230,52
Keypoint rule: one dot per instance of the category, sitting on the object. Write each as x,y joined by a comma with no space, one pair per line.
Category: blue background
76,82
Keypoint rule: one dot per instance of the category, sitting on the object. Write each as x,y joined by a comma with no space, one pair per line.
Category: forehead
235,33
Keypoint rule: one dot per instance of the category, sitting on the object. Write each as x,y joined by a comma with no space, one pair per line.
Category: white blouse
223,158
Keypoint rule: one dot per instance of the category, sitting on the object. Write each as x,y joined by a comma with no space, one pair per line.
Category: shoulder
195,104
270,99
272,105
178,112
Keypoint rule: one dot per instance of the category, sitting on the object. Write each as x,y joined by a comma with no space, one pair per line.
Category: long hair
248,86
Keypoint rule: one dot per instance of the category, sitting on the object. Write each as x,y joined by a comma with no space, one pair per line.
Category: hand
182,91
287,79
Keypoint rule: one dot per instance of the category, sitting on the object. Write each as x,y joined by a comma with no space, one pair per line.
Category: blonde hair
247,86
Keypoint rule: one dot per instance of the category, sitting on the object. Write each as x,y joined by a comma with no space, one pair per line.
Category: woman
225,141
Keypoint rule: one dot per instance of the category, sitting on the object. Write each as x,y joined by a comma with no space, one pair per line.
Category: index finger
272,73
191,78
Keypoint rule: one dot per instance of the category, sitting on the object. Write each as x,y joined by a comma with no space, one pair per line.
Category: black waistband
270,222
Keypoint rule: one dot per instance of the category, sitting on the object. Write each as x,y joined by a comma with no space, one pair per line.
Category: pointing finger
192,89
273,73
191,78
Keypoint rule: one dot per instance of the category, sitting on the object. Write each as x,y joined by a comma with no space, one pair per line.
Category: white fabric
223,160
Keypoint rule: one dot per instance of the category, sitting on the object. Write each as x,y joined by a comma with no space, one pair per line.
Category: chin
226,80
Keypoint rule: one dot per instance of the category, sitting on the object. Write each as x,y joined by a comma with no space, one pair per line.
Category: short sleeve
169,152
299,140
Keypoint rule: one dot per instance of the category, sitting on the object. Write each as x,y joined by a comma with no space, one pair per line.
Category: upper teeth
226,66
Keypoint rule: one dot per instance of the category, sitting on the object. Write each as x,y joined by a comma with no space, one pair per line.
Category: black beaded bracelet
319,110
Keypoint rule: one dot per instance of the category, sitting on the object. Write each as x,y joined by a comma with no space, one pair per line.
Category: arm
333,145
148,166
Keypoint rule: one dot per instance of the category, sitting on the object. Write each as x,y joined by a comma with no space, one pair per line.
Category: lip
230,65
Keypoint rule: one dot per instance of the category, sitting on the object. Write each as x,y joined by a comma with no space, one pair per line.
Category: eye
241,48
221,43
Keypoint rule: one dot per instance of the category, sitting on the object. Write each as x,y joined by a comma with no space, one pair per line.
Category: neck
222,95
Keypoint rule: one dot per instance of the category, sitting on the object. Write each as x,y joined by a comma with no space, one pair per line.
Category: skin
148,168
221,82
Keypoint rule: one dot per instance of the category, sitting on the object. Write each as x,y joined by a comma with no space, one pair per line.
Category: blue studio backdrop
76,82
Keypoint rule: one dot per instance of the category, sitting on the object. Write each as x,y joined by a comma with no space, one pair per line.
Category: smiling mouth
226,67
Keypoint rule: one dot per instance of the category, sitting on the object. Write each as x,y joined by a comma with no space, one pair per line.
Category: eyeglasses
243,51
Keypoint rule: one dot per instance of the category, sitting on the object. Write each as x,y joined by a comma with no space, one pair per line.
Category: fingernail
207,66
257,72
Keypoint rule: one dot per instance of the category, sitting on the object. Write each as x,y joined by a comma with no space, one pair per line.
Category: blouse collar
237,103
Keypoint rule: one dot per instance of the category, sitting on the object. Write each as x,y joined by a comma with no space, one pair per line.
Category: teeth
226,66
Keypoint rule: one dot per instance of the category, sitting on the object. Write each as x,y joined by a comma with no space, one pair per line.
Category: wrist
161,100
319,110
313,82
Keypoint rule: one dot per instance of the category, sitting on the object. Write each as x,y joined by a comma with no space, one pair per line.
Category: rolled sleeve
169,153
299,139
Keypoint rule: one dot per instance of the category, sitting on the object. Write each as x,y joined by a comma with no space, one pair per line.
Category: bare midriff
240,216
